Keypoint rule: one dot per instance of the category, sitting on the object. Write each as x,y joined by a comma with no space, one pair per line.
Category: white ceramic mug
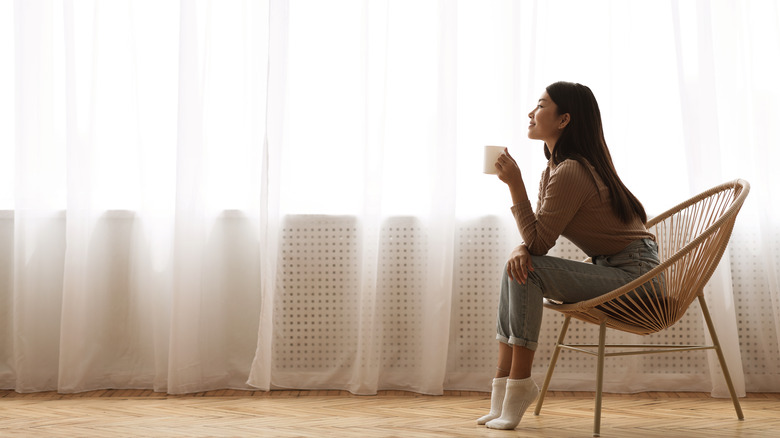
491,156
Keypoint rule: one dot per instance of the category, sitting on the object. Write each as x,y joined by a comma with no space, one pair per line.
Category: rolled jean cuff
517,341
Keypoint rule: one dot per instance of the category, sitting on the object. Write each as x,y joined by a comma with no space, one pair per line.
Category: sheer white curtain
728,55
239,194
137,167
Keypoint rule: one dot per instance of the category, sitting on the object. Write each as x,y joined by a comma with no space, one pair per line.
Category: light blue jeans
567,281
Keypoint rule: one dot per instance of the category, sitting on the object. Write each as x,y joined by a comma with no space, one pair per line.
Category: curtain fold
288,193
38,243
269,216
699,94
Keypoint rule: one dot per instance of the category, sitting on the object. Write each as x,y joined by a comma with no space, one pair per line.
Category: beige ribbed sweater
574,203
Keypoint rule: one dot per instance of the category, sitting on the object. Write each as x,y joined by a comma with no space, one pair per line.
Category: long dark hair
583,140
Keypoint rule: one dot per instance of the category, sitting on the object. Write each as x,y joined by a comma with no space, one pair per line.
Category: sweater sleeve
568,187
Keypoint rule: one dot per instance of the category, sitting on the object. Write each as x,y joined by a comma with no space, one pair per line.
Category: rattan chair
692,237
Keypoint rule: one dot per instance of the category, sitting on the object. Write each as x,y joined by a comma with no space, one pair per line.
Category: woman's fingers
511,271
506,165
519,265
518,271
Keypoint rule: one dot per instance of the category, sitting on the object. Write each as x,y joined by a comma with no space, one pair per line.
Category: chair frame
587,311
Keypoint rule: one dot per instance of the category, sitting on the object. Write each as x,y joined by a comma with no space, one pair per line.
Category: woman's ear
565,119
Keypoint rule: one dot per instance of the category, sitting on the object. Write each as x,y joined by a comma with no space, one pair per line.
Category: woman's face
546,124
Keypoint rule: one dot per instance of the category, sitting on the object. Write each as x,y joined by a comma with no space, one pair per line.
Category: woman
581,198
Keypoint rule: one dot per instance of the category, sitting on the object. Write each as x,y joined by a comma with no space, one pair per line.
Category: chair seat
636,313
637,317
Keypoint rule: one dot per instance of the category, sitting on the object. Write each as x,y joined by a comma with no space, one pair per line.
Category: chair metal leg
599,379
551,368
721,357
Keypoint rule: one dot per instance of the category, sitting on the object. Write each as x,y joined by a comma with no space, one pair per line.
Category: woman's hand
519,264
508,170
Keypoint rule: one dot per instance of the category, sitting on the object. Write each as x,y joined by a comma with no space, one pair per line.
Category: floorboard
233,413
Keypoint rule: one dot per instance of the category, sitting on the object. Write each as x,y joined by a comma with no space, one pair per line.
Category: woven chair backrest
692,238
710,219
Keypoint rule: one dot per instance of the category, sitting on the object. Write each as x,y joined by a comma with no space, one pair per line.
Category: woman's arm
566,188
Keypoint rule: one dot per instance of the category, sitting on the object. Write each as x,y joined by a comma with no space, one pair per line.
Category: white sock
519,395
496,400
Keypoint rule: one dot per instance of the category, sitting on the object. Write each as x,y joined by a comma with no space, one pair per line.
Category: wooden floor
227,413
